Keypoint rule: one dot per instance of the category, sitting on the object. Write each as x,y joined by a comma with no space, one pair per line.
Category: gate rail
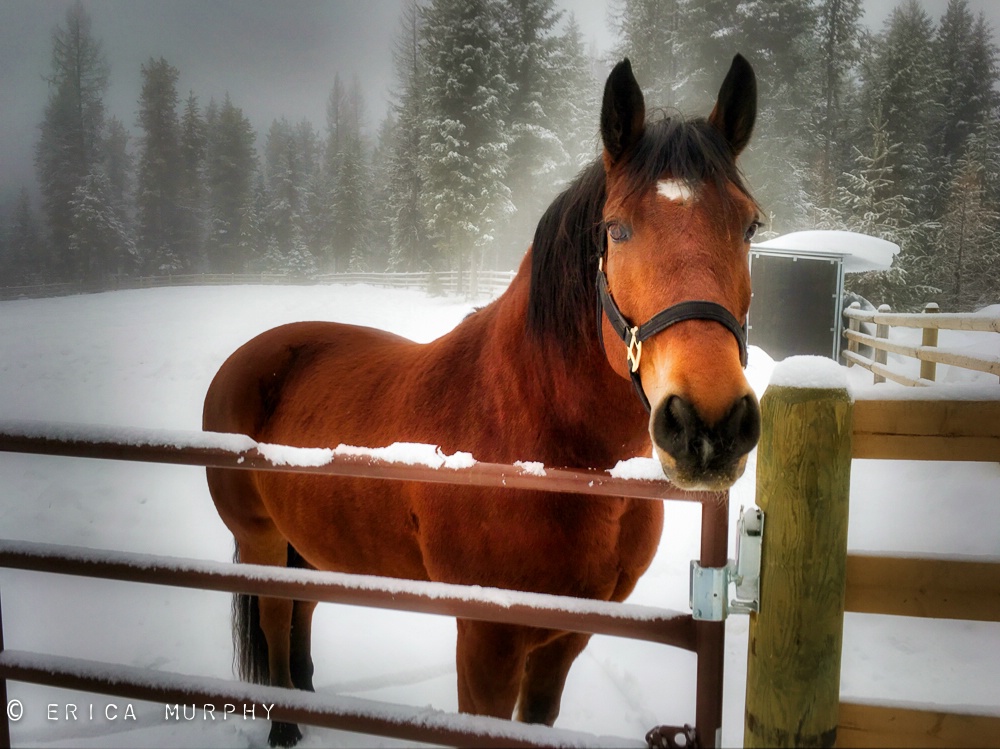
706,639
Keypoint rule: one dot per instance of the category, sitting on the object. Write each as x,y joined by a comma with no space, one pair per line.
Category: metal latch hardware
710,585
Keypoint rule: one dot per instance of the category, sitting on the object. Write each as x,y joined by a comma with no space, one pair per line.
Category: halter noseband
634,335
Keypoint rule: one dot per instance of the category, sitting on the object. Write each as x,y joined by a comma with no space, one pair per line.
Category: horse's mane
570,236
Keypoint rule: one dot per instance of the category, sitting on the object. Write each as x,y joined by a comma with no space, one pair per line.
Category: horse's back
249,386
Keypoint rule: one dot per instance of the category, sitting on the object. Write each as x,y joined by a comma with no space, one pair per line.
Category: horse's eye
619,232
751,231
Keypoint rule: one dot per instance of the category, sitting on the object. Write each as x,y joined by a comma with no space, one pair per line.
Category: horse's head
679,223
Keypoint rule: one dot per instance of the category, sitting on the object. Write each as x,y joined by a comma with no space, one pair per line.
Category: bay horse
556,370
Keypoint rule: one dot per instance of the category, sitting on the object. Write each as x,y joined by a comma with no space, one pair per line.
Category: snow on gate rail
635,478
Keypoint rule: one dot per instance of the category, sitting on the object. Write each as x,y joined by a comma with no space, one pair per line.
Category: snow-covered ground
145,358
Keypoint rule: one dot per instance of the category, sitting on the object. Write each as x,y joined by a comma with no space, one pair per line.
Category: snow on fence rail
928,353
810,434
400,462
488,283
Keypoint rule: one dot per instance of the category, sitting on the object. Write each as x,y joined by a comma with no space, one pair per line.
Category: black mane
570,236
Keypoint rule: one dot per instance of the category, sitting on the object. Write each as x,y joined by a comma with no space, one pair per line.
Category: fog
274,58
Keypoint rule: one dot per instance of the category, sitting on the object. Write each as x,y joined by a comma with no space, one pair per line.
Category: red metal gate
705,638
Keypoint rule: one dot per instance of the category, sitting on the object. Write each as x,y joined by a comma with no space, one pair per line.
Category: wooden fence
488,283
927,353
705,638
808,580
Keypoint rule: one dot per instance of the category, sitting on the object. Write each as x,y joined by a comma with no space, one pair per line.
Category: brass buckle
634,351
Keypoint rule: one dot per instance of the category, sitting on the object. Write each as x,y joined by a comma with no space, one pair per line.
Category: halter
634,335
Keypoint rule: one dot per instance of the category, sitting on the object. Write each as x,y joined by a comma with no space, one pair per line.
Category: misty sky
274,58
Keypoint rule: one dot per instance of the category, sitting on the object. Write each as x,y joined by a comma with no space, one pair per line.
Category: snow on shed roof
860,251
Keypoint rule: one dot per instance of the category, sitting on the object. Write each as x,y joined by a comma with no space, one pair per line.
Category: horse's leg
301,645
490,660
276,624
545,676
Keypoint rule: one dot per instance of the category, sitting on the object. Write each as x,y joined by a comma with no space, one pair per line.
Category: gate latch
710,585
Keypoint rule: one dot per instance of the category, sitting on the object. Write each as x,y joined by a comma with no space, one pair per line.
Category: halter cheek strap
634,335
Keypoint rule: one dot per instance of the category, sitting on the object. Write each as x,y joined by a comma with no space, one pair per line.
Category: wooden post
928,369
803,484
855,325
881,331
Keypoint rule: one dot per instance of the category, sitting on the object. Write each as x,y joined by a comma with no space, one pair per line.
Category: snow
531,467
638,468
818,372
411,453
861,252
143,360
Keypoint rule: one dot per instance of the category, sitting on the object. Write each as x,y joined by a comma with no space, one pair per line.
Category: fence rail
488,283
795,647
706,639
928,353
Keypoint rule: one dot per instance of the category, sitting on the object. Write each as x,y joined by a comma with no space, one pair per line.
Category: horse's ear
623,113
736,108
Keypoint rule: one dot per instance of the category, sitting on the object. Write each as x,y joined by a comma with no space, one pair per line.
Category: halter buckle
634,353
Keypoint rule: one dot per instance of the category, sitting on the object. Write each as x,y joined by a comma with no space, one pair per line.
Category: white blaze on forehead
676,190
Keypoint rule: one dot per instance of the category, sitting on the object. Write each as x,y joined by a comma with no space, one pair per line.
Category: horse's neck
572,396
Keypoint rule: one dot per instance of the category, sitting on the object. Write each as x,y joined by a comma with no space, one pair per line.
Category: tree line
494,107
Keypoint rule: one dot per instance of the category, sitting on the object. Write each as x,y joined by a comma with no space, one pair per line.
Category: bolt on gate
702,633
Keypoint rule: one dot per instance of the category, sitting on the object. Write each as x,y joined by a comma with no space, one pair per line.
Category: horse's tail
249,646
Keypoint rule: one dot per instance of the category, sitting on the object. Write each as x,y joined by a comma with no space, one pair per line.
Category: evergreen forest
894,133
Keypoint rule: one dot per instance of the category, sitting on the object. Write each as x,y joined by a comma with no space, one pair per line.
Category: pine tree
119,165
969,253
25,262
346,180
231,163
158,199
534,151
575,102
651,33
410,248
464,140
98,232
191,183
839,33
69,147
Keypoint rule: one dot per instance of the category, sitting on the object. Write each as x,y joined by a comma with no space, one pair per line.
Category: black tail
249,646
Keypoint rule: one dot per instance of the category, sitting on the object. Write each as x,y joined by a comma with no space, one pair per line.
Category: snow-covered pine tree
969,255
575,102
69,145
535,153
98,232
464,138
158,194
652,34
231,162
191,197
25,261
838,36
410,248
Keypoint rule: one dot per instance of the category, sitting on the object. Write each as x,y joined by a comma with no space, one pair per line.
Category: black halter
634,335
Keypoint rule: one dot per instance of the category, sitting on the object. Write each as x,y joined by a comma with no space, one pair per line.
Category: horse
558,369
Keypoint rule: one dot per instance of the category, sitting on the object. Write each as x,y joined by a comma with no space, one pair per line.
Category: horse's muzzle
696,455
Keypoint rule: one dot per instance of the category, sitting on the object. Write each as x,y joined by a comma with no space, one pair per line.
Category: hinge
710,585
